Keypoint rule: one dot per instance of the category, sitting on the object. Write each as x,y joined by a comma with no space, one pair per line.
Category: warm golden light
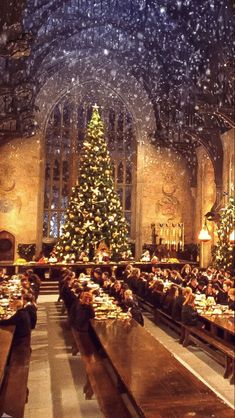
204,235
232,237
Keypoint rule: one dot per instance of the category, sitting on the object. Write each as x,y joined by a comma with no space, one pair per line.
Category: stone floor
56,378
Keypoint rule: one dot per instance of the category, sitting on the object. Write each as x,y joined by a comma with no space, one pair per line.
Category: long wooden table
6,337
159,386
54,268
224,322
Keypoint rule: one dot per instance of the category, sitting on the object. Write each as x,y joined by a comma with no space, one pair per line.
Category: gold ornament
67,248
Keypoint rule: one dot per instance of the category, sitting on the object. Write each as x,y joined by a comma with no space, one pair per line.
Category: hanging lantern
204,235
232,237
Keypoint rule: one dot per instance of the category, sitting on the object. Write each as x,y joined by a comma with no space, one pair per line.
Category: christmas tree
224,250
94,214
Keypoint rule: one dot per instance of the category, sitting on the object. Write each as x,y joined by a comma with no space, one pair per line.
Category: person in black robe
20,319
81,312
30,307
189,313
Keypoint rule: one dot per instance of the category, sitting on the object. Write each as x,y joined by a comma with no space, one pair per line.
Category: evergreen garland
224,251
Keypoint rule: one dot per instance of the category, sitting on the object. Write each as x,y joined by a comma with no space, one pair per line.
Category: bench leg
228,367
27,395
75,350
186,338
87,390
182,335
156,316
232,380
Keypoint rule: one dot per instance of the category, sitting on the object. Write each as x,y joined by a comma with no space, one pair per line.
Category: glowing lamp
232,237
204,235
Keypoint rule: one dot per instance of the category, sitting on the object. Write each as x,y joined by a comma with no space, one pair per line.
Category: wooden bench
14,391
6,337
205,340
162,316
98,378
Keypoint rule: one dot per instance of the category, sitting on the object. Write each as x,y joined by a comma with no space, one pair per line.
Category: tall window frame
64,136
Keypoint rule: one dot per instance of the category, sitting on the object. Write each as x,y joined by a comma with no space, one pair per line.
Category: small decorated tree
224,251
94,213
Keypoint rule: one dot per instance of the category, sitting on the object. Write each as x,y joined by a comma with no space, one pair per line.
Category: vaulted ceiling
180,51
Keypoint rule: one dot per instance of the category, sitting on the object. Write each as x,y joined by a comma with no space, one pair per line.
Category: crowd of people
178,300
24,305
78,297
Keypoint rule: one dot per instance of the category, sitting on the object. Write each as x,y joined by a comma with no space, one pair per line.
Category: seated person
81,312
193,283
189,312
31,307
20,319
157,294
130,304
176,277
168,299
178,302
231,301
97,276
116,291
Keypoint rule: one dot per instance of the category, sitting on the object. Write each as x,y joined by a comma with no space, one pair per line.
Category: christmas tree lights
94,212
224,250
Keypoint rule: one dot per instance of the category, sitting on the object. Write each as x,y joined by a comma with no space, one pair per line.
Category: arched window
63,141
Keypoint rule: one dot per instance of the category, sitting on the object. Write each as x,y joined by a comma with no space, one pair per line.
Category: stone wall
205,198
19,189
228,141
163,192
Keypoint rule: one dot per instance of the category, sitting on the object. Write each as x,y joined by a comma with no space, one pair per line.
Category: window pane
120,173
66,115
120,193
55,197
128,199
56,170
128,219
62,222
64,196
57,117
54,225
128,173
65,171
46,195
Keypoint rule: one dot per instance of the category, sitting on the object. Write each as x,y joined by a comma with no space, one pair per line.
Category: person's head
128,268
215,288
159,286
86,298
135,273
105,275
189,300
97,273
195,271
194,282
187,291
231,294
117,285
227,285
186,269
128,295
